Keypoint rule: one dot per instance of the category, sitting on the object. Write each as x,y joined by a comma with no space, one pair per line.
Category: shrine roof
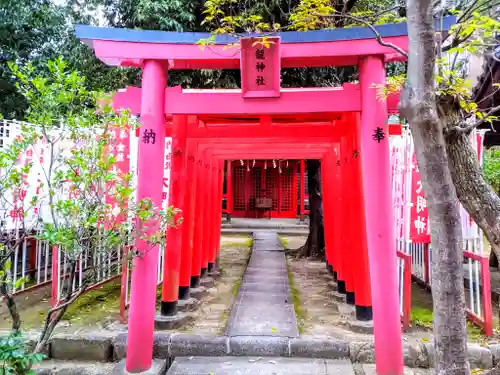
332,47
88,33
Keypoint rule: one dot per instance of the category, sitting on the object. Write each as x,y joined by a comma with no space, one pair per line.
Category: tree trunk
11,305
418,106
315,244
475,194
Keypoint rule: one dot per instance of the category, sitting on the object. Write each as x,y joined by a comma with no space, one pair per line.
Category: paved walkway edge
93,347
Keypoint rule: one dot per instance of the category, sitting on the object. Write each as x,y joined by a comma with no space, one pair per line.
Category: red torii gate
352,144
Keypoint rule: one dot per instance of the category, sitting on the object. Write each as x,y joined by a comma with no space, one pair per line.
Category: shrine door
263,180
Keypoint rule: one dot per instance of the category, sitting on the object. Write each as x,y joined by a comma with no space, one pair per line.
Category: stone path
264,306
259,366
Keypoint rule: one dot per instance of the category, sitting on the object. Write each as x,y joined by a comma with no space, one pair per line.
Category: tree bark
11,306
418,106
475,194
315,244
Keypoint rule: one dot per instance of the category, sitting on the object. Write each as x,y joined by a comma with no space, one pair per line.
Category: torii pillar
177,186
150,183
381,240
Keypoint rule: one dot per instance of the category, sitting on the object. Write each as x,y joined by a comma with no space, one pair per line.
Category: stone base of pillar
364,313
187,305
207,282
338,297
350,298
346,311
199,293
341,286
183,292
204,272
158,367
195,281
173,321
216,274
361,327
168,308
332,285
329,268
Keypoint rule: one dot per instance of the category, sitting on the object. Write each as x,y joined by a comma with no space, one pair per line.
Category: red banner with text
419,216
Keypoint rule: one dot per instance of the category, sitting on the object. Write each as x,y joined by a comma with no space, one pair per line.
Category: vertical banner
166,171
419,217
260,67
119,147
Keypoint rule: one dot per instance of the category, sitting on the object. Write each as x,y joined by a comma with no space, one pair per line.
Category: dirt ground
318,315
212,317
99,308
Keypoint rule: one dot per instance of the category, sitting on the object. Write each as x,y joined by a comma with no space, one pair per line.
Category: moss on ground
97,305
224,320
297,304
422,314
284,241
236,287
236,241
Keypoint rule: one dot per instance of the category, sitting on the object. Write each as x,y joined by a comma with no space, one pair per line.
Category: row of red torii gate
344,127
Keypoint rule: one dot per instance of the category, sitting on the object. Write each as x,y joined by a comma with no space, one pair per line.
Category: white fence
413,241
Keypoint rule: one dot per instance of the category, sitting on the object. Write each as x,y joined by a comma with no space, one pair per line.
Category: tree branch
378,37
11,306
469,128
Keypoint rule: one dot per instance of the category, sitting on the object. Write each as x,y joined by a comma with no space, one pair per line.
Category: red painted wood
199,207
214,208
328,197
406,314
55,276
358,232
229,187
259,182
176,198
130,98
348,231
260,68
188,216
218,223
207,232
293,55
231,102
333,181
486,296
302,187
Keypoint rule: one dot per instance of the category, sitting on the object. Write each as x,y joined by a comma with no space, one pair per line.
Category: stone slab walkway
263,306
259,366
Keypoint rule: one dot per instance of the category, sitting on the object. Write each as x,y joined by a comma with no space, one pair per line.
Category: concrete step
284,232
259,366
53,367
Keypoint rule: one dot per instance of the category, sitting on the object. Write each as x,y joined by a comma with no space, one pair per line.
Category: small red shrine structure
345,127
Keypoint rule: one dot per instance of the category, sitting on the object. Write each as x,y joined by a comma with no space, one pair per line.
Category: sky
100,15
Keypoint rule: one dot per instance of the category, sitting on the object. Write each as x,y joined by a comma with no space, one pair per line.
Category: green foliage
311,15
491,167
30,30
67,114
15,359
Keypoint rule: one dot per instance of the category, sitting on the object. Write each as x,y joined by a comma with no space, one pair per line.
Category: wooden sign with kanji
260,67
